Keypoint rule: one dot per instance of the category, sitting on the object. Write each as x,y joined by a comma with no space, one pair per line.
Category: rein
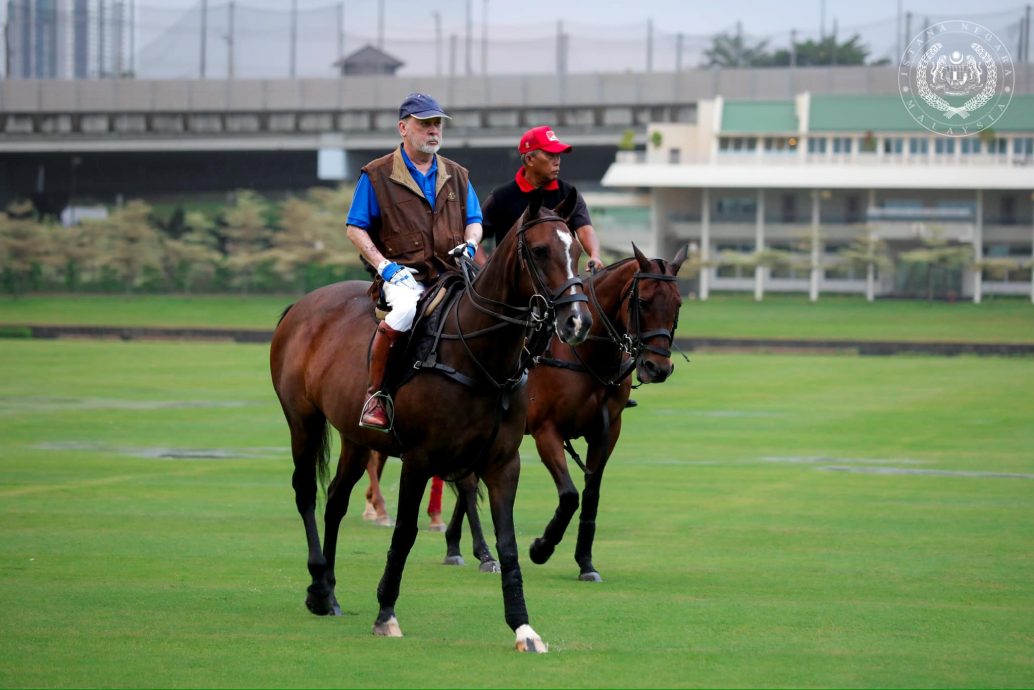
627,343
540,311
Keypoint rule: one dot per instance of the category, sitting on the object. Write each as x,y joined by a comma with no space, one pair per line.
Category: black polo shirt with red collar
506,203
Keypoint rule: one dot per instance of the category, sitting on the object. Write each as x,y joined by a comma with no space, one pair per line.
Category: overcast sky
692,16
602,35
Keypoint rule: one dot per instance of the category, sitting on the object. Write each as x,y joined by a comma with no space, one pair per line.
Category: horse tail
454,486
323,454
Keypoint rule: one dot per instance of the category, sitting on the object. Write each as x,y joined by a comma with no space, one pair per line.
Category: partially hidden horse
581,391
463,414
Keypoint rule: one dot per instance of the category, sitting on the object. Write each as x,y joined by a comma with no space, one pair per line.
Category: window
737,144
970,145
841,145
816,145
944,146
780,144
1018,252
893,145
733,208
1023,146
918,146
674,156
997,147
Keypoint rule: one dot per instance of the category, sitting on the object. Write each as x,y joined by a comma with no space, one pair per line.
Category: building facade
784,195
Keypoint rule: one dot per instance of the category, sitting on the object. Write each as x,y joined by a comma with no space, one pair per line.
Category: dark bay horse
581,391
464,416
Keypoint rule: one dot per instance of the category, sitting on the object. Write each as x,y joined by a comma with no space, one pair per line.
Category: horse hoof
389,628
383,521
370,513
323,606
540,551
529,641
489,566
591,576
453,560
437,528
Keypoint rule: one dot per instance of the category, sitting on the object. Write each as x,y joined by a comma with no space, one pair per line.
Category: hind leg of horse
307,446
467,506
597,455
412,484
551,451
502,490
349,470
376,507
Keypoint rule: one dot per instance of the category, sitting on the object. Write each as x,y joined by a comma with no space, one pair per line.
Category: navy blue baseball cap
421,106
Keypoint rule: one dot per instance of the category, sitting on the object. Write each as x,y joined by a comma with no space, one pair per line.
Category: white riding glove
468,249
397,274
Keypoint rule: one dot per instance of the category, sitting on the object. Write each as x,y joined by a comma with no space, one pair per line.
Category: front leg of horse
551,451
502,490
587,528
411,493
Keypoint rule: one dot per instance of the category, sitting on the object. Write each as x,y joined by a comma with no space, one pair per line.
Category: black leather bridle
633,342
534,318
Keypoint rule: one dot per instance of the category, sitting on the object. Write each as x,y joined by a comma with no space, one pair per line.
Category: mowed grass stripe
730,558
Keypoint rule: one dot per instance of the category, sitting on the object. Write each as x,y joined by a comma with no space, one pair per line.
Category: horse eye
540,252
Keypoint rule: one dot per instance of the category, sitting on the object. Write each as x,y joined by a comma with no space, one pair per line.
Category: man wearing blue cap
411,209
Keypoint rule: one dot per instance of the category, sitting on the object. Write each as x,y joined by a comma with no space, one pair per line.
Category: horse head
653,314
549,253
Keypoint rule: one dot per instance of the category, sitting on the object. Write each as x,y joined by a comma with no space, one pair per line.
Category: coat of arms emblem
956,78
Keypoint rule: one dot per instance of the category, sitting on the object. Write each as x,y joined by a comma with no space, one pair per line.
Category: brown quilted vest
408,231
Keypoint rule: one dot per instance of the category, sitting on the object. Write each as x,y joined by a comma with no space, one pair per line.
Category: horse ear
680,257
566,208
534,204
644,263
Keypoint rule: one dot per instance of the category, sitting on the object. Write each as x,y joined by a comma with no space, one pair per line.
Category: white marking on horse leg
529,641
389,628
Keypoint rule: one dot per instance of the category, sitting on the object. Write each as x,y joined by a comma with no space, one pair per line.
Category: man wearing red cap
540,151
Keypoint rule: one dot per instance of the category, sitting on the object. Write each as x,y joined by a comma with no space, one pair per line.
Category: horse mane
284,313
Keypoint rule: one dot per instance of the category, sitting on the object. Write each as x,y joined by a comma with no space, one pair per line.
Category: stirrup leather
389,409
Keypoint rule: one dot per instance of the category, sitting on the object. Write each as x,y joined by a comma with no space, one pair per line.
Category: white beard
430,149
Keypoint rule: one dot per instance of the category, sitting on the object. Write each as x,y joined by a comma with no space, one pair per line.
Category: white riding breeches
402,301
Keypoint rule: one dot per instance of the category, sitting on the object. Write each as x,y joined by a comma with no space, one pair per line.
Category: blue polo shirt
365,208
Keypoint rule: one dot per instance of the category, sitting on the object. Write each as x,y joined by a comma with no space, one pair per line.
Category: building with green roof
778,195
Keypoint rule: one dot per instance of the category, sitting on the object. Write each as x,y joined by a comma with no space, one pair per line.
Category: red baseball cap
542,138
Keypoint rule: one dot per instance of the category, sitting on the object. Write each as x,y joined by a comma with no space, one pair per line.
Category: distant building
820,173
368,60
68,39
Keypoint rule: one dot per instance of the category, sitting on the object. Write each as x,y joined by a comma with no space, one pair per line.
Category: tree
938,256
247,236
195,254
732,50
826,51
131,245
26,247
311,234
868,252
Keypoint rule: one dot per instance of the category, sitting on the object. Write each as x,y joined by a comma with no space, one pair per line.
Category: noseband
634,345
557,297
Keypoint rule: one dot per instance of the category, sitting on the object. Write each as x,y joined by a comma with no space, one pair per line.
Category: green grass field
766,521
730,316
